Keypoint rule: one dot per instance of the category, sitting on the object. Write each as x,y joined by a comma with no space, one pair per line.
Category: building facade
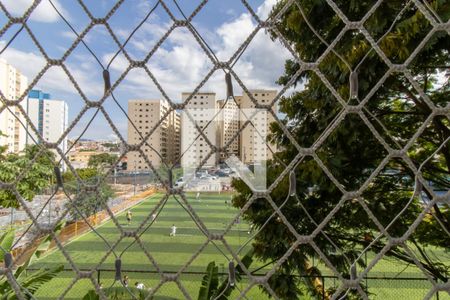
228,126
253,142
163,144
12,122
201,109
50,117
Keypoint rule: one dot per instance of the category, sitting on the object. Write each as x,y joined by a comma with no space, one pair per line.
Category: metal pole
367,283
28,113
437,292
49,212
134,177
12,216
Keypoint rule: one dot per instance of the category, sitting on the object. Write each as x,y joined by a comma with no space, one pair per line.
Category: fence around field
79,227
377,287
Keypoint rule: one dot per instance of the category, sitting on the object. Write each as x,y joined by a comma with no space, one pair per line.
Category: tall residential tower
200,110
163,144
49,117
12,85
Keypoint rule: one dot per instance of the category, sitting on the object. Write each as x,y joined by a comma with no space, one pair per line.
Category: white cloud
265,8
44,12
69,34
30,64
180,65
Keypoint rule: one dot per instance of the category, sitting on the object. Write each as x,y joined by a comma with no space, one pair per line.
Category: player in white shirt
174,230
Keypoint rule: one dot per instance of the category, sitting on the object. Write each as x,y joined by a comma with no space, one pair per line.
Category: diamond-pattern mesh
347,108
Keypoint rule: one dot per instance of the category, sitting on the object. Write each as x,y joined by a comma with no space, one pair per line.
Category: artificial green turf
170,253
189,247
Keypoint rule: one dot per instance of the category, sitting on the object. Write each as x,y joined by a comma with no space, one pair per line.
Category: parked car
179,182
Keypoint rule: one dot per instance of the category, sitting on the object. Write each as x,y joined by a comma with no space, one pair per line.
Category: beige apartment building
253,147
228,126
202,108
163,144
12,86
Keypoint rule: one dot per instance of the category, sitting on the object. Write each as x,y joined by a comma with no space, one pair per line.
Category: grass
188,248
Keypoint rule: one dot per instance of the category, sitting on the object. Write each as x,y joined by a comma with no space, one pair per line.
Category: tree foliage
351,152
102,160
210,282
37,168
86,202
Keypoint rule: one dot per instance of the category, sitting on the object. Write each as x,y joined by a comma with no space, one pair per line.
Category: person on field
125,281
139,285
174,230
198,196
129,215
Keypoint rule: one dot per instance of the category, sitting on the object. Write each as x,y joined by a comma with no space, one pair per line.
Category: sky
179,65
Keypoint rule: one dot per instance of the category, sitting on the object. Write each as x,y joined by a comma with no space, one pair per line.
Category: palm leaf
35,280
6,241
225,289
210,282
91,295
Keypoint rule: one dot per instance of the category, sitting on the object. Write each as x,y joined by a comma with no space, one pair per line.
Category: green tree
102,160
86,202
351,152
38,173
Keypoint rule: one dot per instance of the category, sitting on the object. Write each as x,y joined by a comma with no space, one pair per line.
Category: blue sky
179,65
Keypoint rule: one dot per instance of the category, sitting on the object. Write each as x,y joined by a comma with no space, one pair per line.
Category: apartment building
228,126
50,117
253,144
174,138
12,85
202,108
163,144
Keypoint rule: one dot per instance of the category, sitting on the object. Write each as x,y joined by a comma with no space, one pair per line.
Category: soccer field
172,253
